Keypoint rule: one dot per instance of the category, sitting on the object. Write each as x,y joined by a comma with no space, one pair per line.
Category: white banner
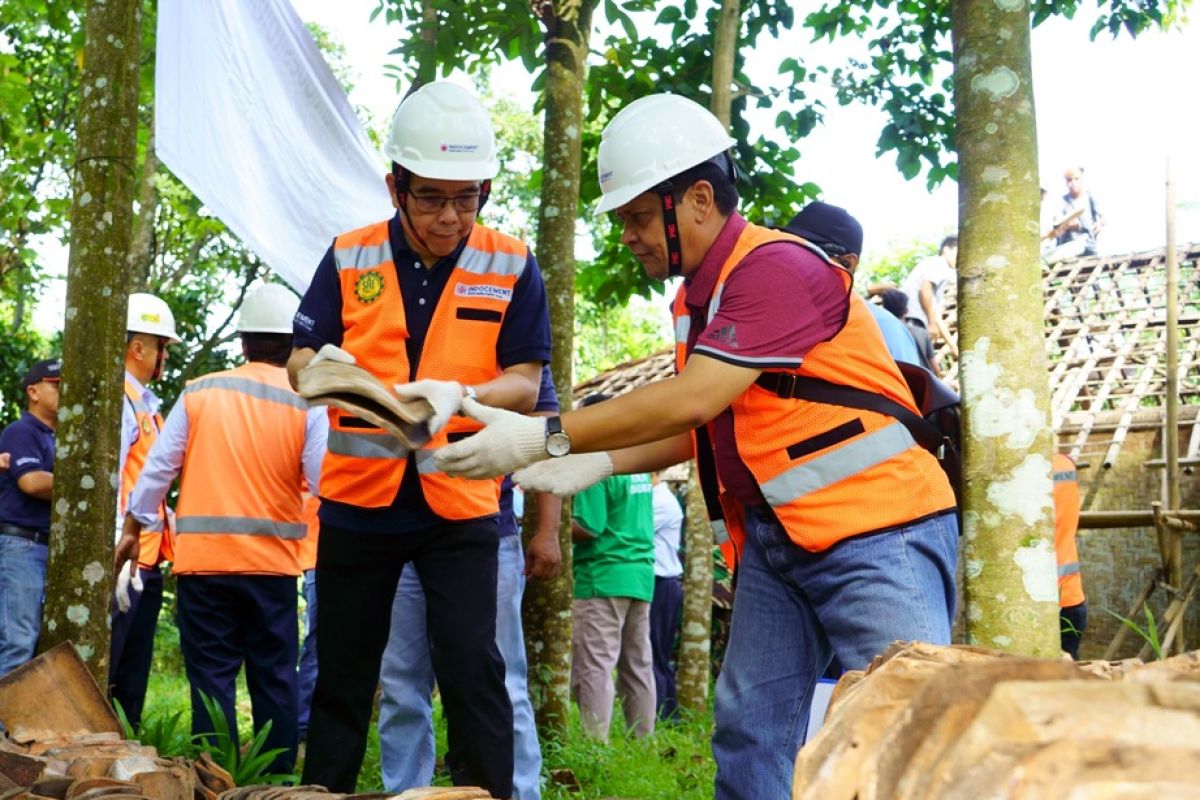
250,118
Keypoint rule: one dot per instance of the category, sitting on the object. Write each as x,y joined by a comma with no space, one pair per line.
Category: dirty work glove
128,576
565,476
508,441
445,396
331,352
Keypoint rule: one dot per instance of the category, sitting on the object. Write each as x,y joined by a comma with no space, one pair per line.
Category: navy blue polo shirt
31,444
547,401
524,337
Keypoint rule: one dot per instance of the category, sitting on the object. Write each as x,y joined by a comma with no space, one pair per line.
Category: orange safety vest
866,472
312,525
1066,523
154,547
364,464
240,508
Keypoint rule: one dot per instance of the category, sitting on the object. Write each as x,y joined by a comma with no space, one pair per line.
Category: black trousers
132,652
228,620
666,615
1072,623
357,574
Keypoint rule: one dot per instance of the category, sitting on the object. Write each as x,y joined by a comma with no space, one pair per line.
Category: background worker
1071,600
1083,220
612,527
924,286
149,329
804,483
433,297
406,738
25,490
245,443
306,670
841,236
666,609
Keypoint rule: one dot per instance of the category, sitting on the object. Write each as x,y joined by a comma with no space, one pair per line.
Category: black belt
35,536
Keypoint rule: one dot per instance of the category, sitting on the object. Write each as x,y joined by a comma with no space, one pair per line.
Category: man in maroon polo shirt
846,524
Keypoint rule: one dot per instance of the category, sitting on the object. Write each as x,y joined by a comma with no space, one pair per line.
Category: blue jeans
793,611
406,746
22,589
307,671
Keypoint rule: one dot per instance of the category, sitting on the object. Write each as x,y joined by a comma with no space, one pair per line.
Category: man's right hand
128,547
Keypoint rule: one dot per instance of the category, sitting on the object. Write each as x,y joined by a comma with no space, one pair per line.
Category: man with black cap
25,489
840,235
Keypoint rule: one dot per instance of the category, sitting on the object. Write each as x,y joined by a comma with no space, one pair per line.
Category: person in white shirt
924,287
666,609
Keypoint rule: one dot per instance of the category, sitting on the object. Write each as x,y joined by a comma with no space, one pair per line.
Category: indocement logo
454,147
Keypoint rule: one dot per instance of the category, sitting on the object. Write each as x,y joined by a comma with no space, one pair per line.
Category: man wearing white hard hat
243,443
444,308
844,525
149,329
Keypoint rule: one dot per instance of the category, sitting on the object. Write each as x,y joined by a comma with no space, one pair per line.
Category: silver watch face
558,444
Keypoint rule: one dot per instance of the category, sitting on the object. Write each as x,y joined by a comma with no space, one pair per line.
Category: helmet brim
449,171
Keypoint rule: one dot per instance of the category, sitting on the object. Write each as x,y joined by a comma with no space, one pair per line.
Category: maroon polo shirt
781,302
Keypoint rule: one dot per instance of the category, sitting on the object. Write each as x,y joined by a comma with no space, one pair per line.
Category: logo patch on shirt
493,292
726,336
369,286
27,460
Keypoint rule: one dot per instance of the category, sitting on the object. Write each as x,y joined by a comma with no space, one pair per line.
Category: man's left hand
445,396
509,441
128,547
543,558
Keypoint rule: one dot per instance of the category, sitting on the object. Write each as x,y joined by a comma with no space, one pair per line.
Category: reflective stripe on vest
1068,569
365,468
242,525
259,391
818,473
720,531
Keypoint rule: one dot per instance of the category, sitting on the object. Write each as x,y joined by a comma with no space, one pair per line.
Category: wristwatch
558,443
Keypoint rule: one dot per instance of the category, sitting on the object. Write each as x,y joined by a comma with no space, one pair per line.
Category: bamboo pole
1171,432
1123,630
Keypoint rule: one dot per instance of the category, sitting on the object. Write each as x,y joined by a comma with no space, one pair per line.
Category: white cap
442,131
149,314
652,139
268,309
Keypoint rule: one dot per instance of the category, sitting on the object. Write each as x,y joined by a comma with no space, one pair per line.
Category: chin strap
666,195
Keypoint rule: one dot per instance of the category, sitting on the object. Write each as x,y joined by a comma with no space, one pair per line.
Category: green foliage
248,766
607,335
1148,634
164,730
893,264
907,72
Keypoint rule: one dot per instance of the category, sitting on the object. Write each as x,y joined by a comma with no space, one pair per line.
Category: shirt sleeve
525,332
318,321
162,466
590,508
776,306
547,395
21,442
316,432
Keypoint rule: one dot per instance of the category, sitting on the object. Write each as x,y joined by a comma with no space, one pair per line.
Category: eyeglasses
434,203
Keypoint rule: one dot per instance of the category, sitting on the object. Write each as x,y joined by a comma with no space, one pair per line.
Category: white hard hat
652,139
442,131
149,314
268,309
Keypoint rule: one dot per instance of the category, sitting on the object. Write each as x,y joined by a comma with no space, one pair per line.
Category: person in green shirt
613,529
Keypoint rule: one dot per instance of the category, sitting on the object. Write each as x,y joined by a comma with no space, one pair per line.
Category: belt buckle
786,385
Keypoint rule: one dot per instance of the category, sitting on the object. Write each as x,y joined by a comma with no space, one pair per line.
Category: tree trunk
691,681
547,611
79,583
725,41
427,63
141,251
1011,594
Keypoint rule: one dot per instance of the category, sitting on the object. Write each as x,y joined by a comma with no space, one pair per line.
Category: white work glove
128,576
331,352
565,476
509,441
445,396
